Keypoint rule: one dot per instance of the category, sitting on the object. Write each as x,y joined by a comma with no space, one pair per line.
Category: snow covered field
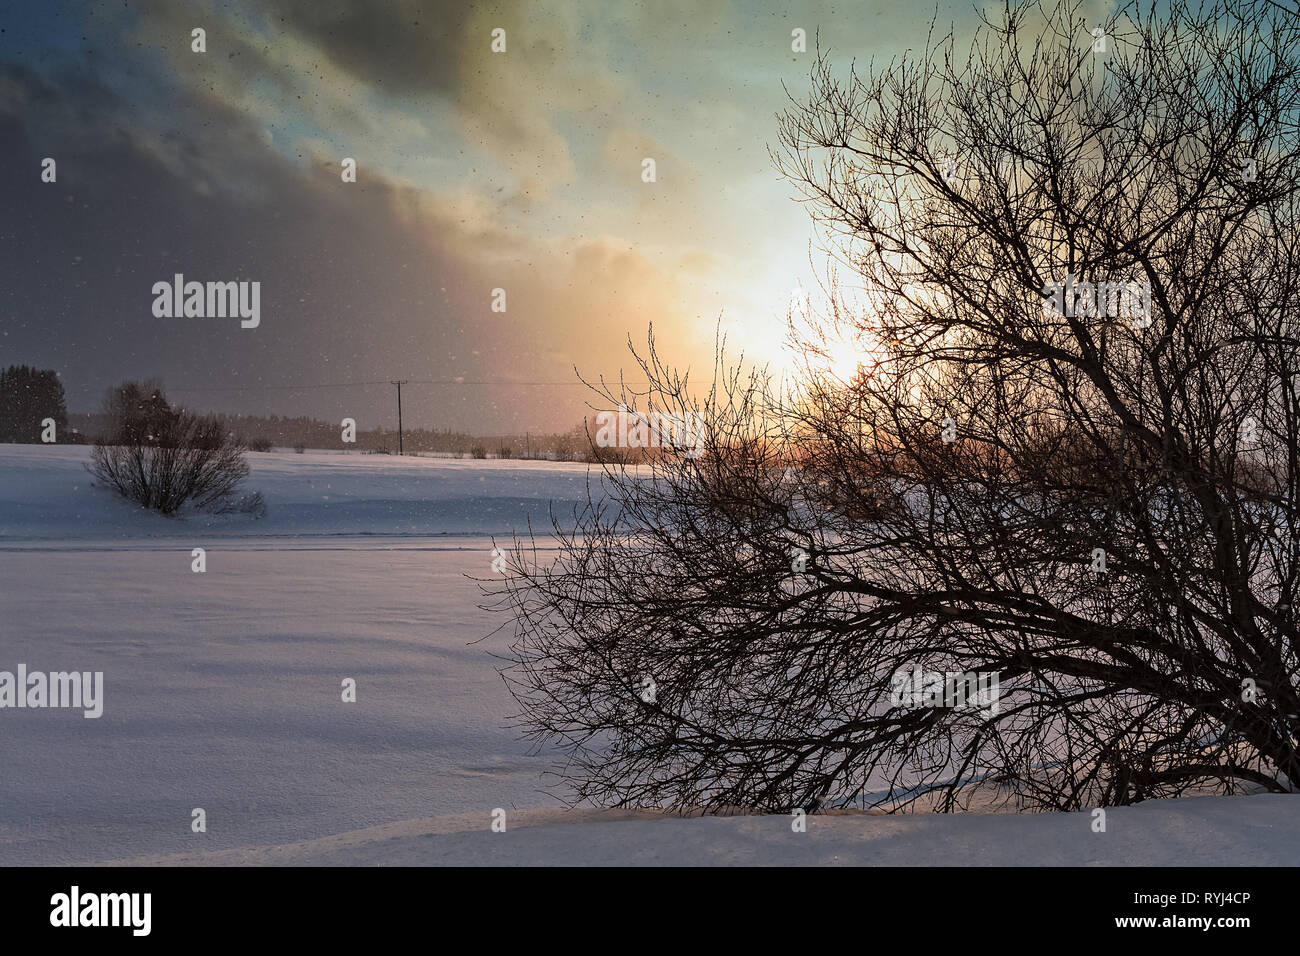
222,691
45,498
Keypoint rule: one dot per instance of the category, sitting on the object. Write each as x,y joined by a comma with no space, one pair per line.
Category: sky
476,170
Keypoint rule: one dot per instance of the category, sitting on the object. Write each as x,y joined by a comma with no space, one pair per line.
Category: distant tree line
28,396
264,432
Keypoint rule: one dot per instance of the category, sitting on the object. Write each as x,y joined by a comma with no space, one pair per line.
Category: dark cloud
350,290
364,281
402,47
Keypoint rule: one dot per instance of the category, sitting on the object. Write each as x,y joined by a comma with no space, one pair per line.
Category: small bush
187,459
259,444
478,451
300,448
503,453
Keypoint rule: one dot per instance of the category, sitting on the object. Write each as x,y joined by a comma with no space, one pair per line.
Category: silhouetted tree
1099,507
136,413
28,396
165,459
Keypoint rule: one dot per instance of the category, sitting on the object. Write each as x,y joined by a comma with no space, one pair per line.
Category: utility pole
399,385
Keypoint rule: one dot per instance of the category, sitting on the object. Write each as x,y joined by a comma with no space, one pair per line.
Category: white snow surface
1198,831
45,495
223,692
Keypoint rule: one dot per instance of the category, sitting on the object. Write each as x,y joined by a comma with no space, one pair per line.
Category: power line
249,388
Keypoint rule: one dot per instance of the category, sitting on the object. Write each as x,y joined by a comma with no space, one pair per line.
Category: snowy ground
222,691
223,688
45,497
1225,831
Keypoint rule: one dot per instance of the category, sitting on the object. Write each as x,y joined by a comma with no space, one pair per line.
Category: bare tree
165,458
135,412
1068,460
